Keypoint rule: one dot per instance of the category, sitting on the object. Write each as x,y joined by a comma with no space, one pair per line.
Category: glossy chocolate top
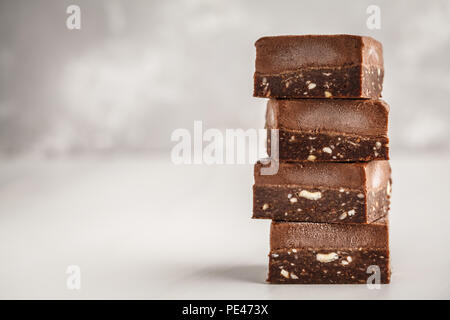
351,116
287,53
371,175
287,235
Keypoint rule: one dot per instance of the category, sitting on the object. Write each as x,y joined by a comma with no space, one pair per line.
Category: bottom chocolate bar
317,253
327,266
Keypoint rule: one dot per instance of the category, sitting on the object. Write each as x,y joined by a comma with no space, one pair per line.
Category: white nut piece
293,200
327,94
346,262
310,195
351,212
343,216
327,257
294,276
360,195
265,206
327,150
311,157
311,86
285,273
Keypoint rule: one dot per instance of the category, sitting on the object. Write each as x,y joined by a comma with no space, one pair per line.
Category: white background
145,228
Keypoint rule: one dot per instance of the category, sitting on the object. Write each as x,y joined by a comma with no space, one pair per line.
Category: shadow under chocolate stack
330,198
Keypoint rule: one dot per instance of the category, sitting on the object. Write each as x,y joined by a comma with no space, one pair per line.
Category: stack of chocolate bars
329,199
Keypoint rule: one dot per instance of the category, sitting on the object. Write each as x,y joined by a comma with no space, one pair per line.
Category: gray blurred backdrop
137,70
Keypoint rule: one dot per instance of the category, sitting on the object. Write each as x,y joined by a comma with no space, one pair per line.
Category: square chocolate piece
319,253
329,129
328,192
318,66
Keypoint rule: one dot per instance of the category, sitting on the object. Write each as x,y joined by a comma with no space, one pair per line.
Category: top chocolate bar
318,66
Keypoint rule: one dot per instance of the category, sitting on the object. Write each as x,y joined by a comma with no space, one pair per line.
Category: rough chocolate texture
298,146
335,66
349,267
323,192
318,253
352,82
335,206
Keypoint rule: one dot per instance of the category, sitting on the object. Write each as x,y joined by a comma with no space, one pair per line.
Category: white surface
145,228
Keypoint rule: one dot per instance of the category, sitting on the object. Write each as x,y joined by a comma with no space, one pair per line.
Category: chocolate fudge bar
318,253
323,192
320,66
329,130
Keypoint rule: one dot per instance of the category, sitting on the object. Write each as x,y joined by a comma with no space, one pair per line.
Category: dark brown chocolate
323,192
329,130
321,66
348,266
350,116
317,253
297,146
